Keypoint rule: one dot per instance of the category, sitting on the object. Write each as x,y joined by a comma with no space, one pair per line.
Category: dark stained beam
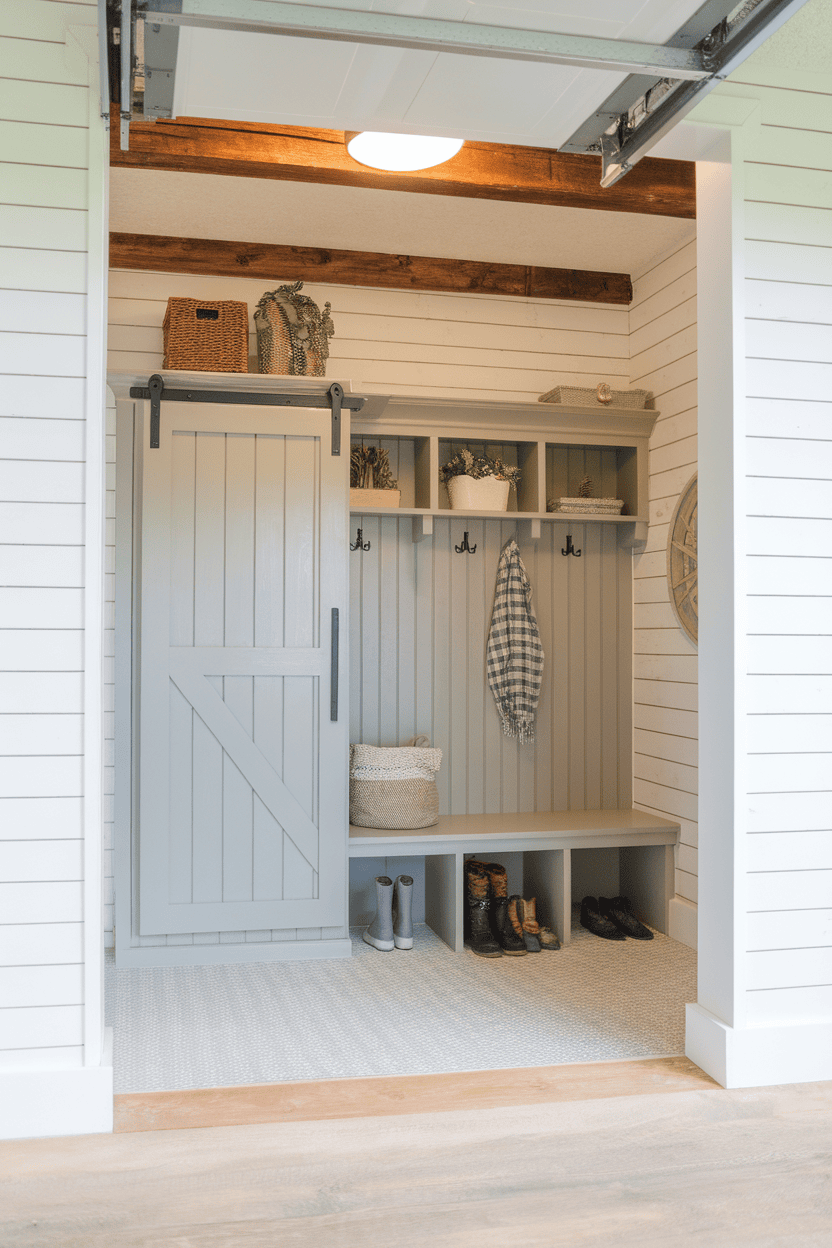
528,175
363,268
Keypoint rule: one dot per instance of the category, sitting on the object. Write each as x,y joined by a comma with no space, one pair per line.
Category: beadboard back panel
419,620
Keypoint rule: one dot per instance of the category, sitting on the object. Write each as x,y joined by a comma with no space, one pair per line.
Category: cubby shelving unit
554,446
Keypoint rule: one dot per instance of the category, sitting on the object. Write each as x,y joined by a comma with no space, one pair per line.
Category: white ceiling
303,214
344,86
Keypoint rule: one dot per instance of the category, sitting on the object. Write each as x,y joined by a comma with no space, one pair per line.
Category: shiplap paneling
410,343
443,600
663,359
788,345
44,103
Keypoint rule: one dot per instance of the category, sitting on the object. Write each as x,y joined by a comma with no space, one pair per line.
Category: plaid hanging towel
514,655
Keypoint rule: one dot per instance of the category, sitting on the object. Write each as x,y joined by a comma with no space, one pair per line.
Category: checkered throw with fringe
514,655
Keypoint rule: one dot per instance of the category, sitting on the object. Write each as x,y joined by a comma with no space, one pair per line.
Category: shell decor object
603,393
292,333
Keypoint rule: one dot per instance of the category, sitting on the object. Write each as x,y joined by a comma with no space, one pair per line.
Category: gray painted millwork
239,823
227,561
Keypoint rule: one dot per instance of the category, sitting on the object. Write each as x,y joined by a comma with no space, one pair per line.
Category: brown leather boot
510,943
478,899
528,929
543,936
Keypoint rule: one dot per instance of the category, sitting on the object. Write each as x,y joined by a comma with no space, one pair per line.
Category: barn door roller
334,399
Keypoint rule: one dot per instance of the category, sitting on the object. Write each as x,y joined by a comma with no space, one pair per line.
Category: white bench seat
546,839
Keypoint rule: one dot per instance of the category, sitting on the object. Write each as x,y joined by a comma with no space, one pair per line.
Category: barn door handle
333,667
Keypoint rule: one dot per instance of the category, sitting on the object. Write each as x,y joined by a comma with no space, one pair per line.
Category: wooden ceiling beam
528,175
273,263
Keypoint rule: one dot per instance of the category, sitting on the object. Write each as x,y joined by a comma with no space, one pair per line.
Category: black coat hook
570,549
358,544
465,547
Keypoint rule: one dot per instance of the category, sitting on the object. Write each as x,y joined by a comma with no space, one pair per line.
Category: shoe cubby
632,848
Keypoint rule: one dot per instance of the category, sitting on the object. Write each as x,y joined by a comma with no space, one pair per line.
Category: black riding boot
478,898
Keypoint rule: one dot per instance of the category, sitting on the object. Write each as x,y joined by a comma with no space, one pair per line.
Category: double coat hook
359,544
465,548
570,549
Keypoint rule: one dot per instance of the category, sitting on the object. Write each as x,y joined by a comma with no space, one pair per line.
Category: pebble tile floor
422,1011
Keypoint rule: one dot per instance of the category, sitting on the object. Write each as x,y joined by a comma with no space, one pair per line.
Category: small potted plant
372,484
477,482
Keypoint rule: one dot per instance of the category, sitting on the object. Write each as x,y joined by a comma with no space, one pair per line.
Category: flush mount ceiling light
399,153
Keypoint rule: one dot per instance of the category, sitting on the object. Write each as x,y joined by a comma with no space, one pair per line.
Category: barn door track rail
156,391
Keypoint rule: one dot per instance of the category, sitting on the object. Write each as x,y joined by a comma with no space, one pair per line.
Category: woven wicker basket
580,396
207,335
587,506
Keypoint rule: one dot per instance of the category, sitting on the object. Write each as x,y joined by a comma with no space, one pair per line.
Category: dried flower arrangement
370,469
464,464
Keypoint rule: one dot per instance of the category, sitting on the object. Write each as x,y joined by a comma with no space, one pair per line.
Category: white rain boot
380,932
403,912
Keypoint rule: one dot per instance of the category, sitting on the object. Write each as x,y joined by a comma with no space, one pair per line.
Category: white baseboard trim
215,955
756,1057
682,921
77,1101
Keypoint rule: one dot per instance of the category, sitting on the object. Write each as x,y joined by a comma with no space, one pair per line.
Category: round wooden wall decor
682,561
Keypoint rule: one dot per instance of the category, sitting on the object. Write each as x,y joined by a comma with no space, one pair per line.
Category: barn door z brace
334,399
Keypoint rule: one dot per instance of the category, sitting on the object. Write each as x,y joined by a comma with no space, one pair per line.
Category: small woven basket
206,335
587,506
580,396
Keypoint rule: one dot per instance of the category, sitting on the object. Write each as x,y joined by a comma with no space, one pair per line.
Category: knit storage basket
394,787
578,396
207,335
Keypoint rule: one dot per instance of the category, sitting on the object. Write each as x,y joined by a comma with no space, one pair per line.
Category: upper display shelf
557,448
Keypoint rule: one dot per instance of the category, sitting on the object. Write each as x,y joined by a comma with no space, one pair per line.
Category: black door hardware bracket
334,399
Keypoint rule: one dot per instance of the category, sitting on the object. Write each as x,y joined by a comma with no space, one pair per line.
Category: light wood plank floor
709,1168
314,1100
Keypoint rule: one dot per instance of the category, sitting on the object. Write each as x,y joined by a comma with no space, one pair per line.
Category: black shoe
594,921
621,912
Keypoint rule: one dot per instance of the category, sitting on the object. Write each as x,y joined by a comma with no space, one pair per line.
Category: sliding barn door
242,813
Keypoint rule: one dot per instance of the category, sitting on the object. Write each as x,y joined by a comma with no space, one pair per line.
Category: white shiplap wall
454,346
665,735
788,333
44,137
463,347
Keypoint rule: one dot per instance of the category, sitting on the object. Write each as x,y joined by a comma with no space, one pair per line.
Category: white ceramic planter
375,498
482,494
